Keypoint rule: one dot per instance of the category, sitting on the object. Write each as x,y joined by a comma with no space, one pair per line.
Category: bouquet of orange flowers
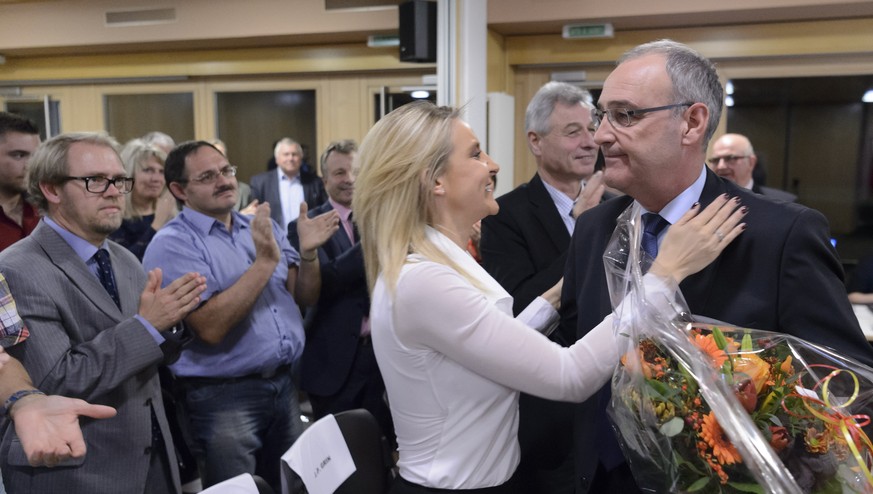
806,405
712,408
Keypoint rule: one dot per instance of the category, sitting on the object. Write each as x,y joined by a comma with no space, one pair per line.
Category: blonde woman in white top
451,354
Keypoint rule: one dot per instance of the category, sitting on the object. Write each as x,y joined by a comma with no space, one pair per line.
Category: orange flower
817,442
722,449
636,360
786,366
779,438
754,367
707,344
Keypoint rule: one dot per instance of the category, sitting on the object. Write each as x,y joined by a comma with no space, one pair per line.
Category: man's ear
533,142
753,161
51,192
696,120
178,191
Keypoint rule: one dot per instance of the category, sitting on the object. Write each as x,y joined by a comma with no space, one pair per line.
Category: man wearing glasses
734,159
235,376
99,326
657,112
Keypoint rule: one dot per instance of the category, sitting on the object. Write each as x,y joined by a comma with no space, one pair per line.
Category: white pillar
462,37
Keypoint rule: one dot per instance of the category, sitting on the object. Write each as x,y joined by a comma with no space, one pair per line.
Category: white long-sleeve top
454,360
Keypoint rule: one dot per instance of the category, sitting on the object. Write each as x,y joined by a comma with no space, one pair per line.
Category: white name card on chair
241,484
321,457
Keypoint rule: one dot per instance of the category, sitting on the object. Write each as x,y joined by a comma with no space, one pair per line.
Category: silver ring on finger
720,235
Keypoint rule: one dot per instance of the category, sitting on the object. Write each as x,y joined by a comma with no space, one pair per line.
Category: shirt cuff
159,338
540,315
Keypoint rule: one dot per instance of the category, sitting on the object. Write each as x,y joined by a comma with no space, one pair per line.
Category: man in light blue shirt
239,400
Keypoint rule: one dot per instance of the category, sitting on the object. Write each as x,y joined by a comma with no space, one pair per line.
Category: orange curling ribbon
849,425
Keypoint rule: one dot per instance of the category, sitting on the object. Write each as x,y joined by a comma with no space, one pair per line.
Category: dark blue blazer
334,326
781,274
265,188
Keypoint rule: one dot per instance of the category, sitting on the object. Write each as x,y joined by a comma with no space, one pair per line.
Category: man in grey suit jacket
98,330
287,186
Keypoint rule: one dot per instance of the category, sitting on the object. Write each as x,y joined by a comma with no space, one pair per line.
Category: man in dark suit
338,368
286,186
734,158
98,328
524,247
658,110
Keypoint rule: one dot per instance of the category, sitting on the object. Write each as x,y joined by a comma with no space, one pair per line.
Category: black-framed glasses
98,184
625,117
729,159
207,178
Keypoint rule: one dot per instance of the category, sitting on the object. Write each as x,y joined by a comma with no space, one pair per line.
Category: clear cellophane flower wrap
711,408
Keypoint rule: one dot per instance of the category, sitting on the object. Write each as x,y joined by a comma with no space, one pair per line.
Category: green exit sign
580,31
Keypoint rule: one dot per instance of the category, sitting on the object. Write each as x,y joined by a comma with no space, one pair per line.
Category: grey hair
541,106
694,77
287,141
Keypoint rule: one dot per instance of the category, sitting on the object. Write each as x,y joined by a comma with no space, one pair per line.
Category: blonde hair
400,159
134,156
49,162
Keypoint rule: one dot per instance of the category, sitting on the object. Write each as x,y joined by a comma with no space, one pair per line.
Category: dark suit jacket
775,194
335,325
265,188
781,274
82,346
524,246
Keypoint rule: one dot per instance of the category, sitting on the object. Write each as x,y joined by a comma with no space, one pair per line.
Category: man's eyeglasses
729,159
207,178
625,117
98,185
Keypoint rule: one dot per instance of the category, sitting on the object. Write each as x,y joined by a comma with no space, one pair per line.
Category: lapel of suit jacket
545,210
274,197
129,290
65,258
697,288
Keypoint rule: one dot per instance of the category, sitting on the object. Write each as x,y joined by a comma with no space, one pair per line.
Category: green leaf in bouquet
682,463
672,427
658,389
770,404
698,485
746,345
720,341
689,380
744,487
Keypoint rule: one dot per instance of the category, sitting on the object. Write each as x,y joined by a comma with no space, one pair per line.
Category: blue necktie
653,225
104,273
